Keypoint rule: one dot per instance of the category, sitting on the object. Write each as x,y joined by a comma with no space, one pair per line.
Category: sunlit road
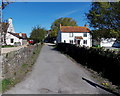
54,73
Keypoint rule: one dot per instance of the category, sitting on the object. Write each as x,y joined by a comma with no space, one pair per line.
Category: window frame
85,42
70,34
71,41
84,34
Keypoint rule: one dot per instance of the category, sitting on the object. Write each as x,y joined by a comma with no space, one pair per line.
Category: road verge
16,64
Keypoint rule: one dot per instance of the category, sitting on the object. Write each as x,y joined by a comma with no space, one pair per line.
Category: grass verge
6,46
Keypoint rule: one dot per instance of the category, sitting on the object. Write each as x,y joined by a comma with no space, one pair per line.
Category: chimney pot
85,25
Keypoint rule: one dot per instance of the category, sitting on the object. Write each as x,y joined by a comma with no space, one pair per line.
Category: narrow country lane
54,73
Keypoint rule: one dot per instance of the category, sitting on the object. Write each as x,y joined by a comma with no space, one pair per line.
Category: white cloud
49,0
67,13
70,12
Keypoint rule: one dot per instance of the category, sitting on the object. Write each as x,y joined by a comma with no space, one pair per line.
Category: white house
13,38
75,35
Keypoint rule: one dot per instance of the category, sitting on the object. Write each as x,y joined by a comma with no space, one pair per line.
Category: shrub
105,62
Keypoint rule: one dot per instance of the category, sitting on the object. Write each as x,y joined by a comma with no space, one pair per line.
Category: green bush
105,62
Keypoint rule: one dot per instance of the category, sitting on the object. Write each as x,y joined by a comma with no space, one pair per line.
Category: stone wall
16,64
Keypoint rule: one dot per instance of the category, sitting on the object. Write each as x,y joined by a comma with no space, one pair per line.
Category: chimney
10,20
85,25
20,34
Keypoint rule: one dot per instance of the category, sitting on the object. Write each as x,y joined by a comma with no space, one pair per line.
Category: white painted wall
9,37
107,42
66,36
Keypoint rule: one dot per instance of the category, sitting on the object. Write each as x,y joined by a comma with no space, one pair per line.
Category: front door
78,42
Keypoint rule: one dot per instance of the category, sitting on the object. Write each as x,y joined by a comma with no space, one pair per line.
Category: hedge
105,62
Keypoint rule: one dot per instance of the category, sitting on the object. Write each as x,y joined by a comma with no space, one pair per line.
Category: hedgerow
105,62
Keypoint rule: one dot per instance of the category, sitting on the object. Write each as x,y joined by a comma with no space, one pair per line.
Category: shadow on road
96,85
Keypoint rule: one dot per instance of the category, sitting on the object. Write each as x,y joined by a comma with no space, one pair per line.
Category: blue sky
29,14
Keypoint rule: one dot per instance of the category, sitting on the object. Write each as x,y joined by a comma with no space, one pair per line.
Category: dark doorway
78,42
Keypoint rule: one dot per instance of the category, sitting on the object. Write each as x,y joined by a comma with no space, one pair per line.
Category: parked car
31,42
116,44
46,41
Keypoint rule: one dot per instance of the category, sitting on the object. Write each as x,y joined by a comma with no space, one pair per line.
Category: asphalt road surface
54,73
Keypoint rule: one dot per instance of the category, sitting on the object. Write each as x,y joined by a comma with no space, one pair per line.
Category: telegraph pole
0,27
3,4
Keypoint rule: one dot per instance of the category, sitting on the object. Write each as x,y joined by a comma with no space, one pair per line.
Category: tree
105,19
38,34
3,6
64,22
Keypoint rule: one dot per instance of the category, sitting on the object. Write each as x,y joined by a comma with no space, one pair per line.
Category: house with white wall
13,38
75,35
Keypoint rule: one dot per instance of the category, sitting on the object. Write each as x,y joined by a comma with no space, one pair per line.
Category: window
85,35
84,41
70,34
12,40
71,41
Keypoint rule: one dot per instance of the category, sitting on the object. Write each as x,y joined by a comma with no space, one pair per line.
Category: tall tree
5,3
38,34
64,22
105,19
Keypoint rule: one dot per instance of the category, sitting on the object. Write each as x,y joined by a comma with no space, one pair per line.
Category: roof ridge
75,26
74,29
16,35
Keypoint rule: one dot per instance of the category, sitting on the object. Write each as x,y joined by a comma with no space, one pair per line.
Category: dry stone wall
16,63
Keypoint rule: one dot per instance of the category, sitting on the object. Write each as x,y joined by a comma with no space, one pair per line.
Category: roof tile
74,29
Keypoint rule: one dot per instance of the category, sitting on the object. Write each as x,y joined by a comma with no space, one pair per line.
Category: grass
0,86
116,49
7,83
24,65
6,46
